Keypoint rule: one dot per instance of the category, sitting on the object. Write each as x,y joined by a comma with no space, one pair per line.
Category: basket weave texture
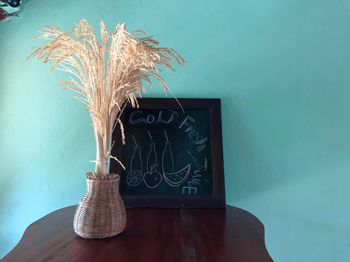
101,212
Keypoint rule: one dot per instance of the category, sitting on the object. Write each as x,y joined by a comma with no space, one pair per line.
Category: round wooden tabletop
227,234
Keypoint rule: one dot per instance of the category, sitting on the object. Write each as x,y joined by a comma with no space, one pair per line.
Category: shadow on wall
247,169
7,183
2,84
6,187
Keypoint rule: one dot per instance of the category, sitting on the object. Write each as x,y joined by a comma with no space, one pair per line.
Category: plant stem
101,156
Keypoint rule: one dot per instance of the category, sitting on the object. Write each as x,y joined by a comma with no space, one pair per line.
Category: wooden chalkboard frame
217,199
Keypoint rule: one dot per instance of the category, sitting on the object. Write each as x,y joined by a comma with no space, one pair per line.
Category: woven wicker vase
101,211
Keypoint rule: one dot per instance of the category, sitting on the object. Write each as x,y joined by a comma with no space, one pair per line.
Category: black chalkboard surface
172,155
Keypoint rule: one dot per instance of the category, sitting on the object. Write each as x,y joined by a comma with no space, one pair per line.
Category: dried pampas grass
106,74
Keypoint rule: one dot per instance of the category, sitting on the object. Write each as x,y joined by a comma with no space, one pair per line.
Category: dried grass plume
105,74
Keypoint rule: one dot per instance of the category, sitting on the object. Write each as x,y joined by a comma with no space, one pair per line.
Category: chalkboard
172,155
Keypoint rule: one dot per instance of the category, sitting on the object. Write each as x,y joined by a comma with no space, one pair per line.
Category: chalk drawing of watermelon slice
172,178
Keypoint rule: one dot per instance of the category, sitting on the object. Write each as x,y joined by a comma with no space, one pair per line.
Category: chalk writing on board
198,173
189,190
167,152
138,116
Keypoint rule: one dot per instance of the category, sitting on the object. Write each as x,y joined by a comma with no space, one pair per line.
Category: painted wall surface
281,68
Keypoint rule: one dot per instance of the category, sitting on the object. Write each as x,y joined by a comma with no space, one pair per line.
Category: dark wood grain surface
230,234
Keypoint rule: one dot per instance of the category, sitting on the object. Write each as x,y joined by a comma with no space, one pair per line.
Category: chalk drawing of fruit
172,178
134,177
175,179
152,178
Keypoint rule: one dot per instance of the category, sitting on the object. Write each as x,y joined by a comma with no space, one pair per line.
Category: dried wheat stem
107,74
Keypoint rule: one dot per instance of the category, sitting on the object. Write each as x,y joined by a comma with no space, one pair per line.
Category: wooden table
230,234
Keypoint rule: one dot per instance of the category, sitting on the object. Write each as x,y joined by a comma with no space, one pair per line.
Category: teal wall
282,69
